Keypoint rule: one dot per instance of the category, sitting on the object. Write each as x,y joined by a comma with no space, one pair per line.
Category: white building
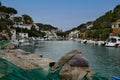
20,35
89,25
23,35
74,34
36,27
116,24
50,35
23,26
26,26
13,32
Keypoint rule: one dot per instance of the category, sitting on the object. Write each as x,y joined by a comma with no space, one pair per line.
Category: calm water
105,60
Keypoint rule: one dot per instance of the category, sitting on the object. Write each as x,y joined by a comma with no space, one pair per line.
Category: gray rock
75,66
79,61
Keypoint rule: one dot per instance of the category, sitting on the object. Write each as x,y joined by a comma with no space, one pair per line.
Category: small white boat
22,42
113,41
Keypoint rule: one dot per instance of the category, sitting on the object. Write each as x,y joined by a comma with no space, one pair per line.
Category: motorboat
113,41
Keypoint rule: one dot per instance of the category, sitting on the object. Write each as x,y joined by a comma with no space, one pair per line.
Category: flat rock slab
24,59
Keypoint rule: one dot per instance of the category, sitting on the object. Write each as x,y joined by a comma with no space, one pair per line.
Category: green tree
9,10
61,34
2,25
5,23
17,20
81,27
27,19
103,21
116,13
46,27
105,33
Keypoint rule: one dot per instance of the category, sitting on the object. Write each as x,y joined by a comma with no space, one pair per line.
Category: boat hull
112,44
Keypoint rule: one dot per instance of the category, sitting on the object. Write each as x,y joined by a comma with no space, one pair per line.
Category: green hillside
101,26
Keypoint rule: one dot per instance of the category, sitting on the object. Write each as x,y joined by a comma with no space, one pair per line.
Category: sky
64,14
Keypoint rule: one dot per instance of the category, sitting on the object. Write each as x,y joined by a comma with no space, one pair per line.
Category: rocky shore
25,60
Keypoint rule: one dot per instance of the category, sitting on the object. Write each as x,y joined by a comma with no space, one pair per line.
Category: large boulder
75,66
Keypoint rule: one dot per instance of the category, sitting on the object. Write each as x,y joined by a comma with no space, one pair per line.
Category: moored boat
22,42
113,41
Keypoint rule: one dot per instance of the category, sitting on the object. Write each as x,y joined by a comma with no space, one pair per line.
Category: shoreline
25,60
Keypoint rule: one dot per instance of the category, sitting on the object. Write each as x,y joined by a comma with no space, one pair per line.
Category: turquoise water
105,60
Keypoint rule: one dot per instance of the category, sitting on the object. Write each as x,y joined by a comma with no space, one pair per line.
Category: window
113,40
118,25
118,39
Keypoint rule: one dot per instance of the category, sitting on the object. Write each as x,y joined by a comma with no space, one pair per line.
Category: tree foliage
17,19
5,23
116,13
27,19
8,10
46,27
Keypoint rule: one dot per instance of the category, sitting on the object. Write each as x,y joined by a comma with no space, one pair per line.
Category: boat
113,41
22,42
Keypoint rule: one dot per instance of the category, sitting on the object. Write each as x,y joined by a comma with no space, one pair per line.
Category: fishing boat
113,41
